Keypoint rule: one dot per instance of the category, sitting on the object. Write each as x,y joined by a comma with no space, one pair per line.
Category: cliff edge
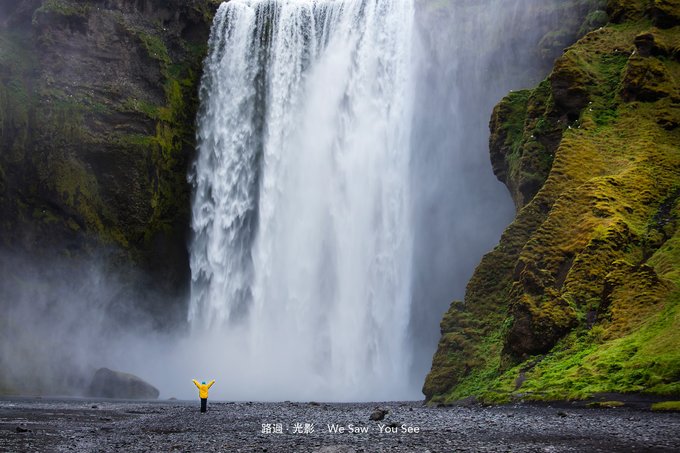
98,102
581,294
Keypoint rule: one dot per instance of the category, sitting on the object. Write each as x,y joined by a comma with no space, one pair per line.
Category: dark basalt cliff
97,109
581,294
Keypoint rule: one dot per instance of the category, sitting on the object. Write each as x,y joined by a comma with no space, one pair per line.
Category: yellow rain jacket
203,388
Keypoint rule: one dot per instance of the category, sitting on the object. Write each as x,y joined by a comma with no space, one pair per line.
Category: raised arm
211,383
196,383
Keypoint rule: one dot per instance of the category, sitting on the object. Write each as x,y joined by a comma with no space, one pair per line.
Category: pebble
178,426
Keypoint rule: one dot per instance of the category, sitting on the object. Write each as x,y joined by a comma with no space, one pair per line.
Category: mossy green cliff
97,112
582,293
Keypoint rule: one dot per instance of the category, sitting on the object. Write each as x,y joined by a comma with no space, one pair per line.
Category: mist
289,301
63,318
472,53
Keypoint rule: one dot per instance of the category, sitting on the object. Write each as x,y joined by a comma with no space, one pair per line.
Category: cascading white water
301,216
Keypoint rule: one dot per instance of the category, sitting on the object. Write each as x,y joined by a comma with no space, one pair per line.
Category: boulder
378,414
108,383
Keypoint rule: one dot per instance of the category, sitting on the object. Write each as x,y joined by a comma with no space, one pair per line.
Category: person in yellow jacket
203,392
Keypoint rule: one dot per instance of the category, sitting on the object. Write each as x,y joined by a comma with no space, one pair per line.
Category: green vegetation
666,406
523,141
606,404
581,295
586,363
596,19
155,47
61,7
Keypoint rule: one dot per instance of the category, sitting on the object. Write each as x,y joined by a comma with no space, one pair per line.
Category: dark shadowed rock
116,384
97,111
665,13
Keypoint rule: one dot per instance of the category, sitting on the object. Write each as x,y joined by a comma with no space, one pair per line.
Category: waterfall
302,249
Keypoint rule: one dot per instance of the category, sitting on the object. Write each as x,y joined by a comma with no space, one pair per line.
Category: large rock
378,414
108,383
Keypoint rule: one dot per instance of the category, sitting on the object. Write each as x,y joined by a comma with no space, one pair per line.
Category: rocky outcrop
97,111
663,13
107,383
525,133
583,288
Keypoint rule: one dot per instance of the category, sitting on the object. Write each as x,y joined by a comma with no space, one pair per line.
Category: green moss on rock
627,10
97,111
524,135
666,406
606,404
581,294
647,79
65,8
665,13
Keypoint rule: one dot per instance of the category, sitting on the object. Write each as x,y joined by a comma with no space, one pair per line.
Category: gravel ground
95,425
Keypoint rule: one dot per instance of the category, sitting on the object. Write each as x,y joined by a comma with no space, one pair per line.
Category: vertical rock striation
97,111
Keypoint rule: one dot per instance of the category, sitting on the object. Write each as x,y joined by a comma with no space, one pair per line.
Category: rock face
115,384
581,295
97,110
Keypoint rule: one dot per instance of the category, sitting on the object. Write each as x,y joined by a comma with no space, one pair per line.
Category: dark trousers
204,404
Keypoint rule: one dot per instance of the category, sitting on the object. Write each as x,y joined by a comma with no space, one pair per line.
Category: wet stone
130,426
